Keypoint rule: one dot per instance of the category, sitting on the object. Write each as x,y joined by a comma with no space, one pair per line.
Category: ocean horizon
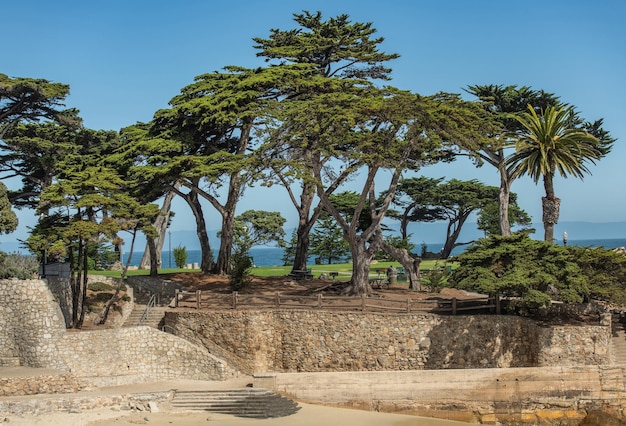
271,256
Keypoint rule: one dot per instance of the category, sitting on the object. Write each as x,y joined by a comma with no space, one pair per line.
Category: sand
308,415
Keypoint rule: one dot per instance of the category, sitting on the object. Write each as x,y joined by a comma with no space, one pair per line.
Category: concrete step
252,403
154,317
619,340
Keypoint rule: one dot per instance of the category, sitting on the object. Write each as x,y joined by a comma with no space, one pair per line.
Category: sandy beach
164,414
308,415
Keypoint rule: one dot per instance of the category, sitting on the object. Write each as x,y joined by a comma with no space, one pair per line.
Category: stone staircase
153,319
257,403
619,339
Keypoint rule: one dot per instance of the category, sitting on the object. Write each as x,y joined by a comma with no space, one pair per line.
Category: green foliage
532,272
436,278
605,271
8,218
99,286
289,248
104,255
29,99
18,266
327,241
240,276
180,256
258,227
489,217
397,242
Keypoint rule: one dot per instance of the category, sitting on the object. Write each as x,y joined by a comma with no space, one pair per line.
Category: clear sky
124,59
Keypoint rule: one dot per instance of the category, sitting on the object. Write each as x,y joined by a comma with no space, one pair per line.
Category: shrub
180,256
532,272
240,276
605,271
18,266
100,286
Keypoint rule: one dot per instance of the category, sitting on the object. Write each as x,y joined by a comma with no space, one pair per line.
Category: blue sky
125,59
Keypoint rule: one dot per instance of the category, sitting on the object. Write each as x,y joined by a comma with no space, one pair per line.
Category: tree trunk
160,224
301,255
361,260
453,236
503,202
74,280
411,264
83,302
155,256
192,200
226,243
305,224
550,208
102,317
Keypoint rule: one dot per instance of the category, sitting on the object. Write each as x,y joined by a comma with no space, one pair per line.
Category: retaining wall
513,396
307,340
33,332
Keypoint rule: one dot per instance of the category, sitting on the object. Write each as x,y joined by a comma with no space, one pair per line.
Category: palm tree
548,143
501,102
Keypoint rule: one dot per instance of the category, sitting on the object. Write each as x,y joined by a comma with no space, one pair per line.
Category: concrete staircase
257,403
619,339
153,319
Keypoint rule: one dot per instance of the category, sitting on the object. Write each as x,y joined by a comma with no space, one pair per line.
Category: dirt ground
286,285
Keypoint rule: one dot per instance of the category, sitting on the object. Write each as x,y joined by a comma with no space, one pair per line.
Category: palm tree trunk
550,208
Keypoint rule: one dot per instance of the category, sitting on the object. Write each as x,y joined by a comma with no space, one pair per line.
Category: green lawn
343,269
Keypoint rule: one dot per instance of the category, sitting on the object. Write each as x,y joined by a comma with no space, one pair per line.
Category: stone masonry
307,340
33,333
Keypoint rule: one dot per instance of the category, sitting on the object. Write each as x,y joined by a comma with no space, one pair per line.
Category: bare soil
286,285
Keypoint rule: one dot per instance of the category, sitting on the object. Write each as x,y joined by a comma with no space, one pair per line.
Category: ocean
271,256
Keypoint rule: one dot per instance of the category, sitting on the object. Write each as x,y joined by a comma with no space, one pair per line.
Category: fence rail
208,300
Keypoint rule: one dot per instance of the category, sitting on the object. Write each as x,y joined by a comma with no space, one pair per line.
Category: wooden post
234,300
198,299
454,306
319,300
363,302
176,298
277,299
498,311
408,306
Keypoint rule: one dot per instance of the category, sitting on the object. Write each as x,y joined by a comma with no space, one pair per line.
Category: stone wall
38,384
32,323
306,340
33,331
145,286
137,354
593,395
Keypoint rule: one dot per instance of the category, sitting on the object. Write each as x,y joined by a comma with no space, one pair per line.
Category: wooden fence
235,300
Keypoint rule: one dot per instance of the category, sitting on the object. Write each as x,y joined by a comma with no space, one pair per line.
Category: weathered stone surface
301,340
33,331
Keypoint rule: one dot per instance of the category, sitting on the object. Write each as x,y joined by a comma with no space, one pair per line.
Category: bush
605,271
18,266
100,286
180,256
240,270
532,272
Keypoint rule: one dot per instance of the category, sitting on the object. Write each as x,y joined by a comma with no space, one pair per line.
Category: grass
342,269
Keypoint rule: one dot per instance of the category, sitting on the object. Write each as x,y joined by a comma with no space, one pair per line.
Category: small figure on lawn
392,275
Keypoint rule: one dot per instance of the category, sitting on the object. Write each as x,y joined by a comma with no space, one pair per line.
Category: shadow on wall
483,342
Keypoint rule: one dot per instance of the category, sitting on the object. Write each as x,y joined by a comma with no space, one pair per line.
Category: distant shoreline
271,256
